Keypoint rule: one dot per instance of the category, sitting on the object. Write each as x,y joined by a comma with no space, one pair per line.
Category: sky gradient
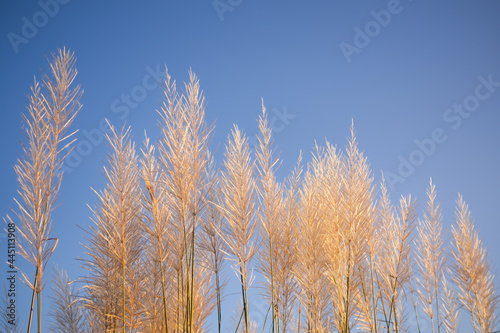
420,80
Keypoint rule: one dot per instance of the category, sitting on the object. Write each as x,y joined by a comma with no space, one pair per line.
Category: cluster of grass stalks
332,251
52,108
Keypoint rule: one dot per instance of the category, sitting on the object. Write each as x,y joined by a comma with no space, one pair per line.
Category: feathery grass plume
451,314
328,171
203,296
66,311
211,243
471,272
387,226
368,296
173,161
124,211
286,254
101,299
184,156
202,182
357,231
414,302
348,196
311,267
394,268
50,114
430,259
116,239
152,311
238,209
156,224
270,202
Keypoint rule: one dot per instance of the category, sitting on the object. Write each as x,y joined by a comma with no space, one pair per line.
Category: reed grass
310,268
212,245
184,158
451,314
270,194
52,108
286,244
238,209
66,311
472,272
395,266
334,254
115,248
157,222
431,260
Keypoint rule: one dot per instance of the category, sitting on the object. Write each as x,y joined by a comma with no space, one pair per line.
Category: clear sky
420,79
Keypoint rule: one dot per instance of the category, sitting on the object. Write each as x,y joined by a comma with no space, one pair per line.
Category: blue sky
400,69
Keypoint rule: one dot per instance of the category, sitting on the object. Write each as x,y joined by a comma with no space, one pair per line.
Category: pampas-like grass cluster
472,272
52,108
329,250
431,259
66,311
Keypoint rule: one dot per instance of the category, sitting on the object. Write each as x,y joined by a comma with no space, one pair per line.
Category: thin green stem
346,305
33,300
415,308
219,309
163,292
123,290
244,296
374,305
437,304
39,310
192,275
300,308
272,281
